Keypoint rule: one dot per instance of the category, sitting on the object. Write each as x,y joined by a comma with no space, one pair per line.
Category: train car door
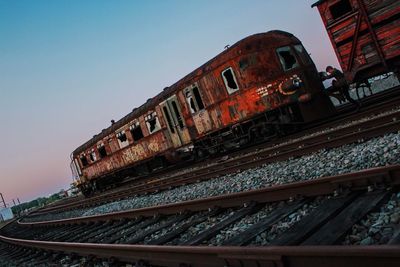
174,119
195,104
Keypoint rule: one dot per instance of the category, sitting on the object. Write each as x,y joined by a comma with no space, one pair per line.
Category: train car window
340,9
102,150
177,114
92,156
197,96
193,98
189,99
84,161
230,80
169,121
153,125
304,56
136,131
287,58
122,140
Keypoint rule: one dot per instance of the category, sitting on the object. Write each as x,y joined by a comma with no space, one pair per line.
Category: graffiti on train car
133,153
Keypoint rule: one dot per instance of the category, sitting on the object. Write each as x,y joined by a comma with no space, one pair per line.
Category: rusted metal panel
203,122
147,147
212,91
366,38
259,88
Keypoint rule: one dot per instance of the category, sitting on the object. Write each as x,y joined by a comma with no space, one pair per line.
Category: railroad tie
171,235
335,229
133,229
246,236
80,231
107,226
115,234
52,233
60,235
212,231
138,238
312,222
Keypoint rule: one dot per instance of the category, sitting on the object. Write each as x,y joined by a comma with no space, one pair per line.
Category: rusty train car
256,89
365,35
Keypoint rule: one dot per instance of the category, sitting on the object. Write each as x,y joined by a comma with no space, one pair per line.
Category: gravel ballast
349,158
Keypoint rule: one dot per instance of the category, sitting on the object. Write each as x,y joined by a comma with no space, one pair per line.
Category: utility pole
18,208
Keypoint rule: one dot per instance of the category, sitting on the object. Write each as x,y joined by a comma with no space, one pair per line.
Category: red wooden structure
365,35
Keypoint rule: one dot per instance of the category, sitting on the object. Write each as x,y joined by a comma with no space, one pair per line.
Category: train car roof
152,102
318,3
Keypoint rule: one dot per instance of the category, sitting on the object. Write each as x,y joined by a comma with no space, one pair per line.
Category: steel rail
285,256
383,176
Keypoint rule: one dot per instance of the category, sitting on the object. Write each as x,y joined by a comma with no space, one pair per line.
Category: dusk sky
68,67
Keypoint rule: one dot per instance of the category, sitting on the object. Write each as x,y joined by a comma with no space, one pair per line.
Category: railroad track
309,223
363,130
317,216
388,100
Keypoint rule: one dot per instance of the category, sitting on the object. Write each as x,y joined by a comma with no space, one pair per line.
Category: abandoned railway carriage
365,35
257,88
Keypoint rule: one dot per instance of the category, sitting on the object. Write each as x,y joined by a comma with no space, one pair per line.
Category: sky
68,67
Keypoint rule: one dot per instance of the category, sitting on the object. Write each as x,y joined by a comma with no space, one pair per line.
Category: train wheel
200,154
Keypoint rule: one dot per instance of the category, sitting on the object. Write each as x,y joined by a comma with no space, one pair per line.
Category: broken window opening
177,114
192,105
102,151
190,101
84,161
304,56
287,58
136,131
230,80
122,140
340,9
197,96
169,121
193,98
92,156
152,122
121,136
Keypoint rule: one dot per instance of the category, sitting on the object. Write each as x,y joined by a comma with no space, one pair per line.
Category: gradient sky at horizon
68,67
